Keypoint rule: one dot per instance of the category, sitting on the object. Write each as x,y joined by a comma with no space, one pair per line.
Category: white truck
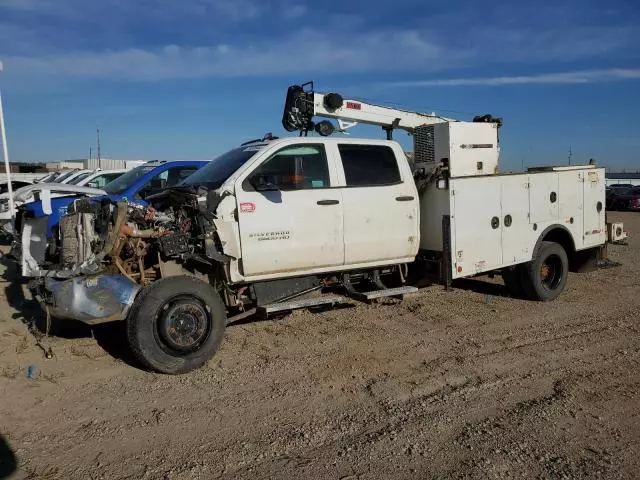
283,223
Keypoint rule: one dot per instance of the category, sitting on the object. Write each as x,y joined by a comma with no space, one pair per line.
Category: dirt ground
466,383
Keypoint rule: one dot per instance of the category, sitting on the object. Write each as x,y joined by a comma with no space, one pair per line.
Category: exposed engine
141,243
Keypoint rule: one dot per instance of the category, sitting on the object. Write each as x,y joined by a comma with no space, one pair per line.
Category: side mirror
93,185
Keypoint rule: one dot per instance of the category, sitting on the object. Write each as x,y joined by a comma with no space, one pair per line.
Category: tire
545,277
513,281
176,324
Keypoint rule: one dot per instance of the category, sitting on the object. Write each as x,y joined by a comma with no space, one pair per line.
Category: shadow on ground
8,461
111,336
482,286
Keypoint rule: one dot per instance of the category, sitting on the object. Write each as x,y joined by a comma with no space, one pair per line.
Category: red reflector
354,106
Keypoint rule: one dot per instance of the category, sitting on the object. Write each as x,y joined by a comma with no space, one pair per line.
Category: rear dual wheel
541,279
176,324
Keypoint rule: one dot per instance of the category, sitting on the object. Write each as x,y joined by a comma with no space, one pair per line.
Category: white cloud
305,52
585,76
234,10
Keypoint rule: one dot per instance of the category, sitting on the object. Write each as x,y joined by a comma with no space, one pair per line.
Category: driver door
290,218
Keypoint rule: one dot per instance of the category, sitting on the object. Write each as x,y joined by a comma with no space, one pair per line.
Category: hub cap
183,325
551,272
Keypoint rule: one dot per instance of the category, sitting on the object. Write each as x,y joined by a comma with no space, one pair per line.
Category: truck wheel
545,277
176,324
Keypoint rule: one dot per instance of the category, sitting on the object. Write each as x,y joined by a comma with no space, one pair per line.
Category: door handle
327,202
405,198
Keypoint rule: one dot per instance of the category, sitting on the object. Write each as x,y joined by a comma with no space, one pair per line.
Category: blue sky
192,78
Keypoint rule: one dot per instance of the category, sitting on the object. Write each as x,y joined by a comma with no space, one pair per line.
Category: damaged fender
90,299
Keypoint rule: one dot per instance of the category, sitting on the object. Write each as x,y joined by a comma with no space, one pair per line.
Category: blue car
134,186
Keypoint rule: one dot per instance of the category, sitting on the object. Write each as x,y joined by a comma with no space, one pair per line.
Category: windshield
49,178
64,175
80,177
218,170
123,182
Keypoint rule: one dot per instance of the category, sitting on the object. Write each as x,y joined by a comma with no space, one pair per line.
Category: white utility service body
497,221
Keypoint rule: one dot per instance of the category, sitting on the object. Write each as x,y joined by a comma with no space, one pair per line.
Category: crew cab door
381,213
291,220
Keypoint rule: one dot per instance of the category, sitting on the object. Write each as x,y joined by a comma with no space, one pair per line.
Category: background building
93,163
613,178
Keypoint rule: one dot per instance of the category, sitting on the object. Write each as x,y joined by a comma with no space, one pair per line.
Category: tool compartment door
476,225
516,230
543,197
595,232
571,203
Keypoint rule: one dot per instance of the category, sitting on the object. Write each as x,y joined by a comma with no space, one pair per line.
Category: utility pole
5,151
99,160
570,153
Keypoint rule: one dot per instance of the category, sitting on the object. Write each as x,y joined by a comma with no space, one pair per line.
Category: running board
303,303
332,300
399,292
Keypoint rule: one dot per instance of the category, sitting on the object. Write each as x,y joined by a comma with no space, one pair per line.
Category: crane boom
303,104
361,112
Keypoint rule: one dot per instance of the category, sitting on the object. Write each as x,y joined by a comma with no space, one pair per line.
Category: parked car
626,199
63,176
86,183
134,186
98,178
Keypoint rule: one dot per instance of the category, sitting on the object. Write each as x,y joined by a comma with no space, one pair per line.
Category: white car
96,178
75,182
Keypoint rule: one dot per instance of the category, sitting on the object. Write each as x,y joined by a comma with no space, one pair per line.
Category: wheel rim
551,272
184,324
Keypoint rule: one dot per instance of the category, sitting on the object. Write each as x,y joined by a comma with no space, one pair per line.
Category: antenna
99,159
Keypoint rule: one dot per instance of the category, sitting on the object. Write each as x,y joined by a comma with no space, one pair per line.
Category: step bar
332,300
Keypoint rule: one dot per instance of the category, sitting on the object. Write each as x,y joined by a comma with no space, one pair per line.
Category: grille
423,144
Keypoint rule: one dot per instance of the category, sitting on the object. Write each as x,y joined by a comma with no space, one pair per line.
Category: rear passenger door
380,206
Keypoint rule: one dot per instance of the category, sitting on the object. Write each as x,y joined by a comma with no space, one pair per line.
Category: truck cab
297,206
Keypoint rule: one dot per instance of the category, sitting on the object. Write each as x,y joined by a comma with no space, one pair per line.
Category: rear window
369,165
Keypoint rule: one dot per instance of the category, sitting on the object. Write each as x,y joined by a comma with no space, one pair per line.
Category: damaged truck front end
90,299
105,253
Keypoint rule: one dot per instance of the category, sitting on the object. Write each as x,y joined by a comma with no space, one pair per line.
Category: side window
101,180
109,177
369,165
178,174
298,167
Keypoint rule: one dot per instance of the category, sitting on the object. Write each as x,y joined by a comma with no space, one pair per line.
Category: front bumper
90,299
